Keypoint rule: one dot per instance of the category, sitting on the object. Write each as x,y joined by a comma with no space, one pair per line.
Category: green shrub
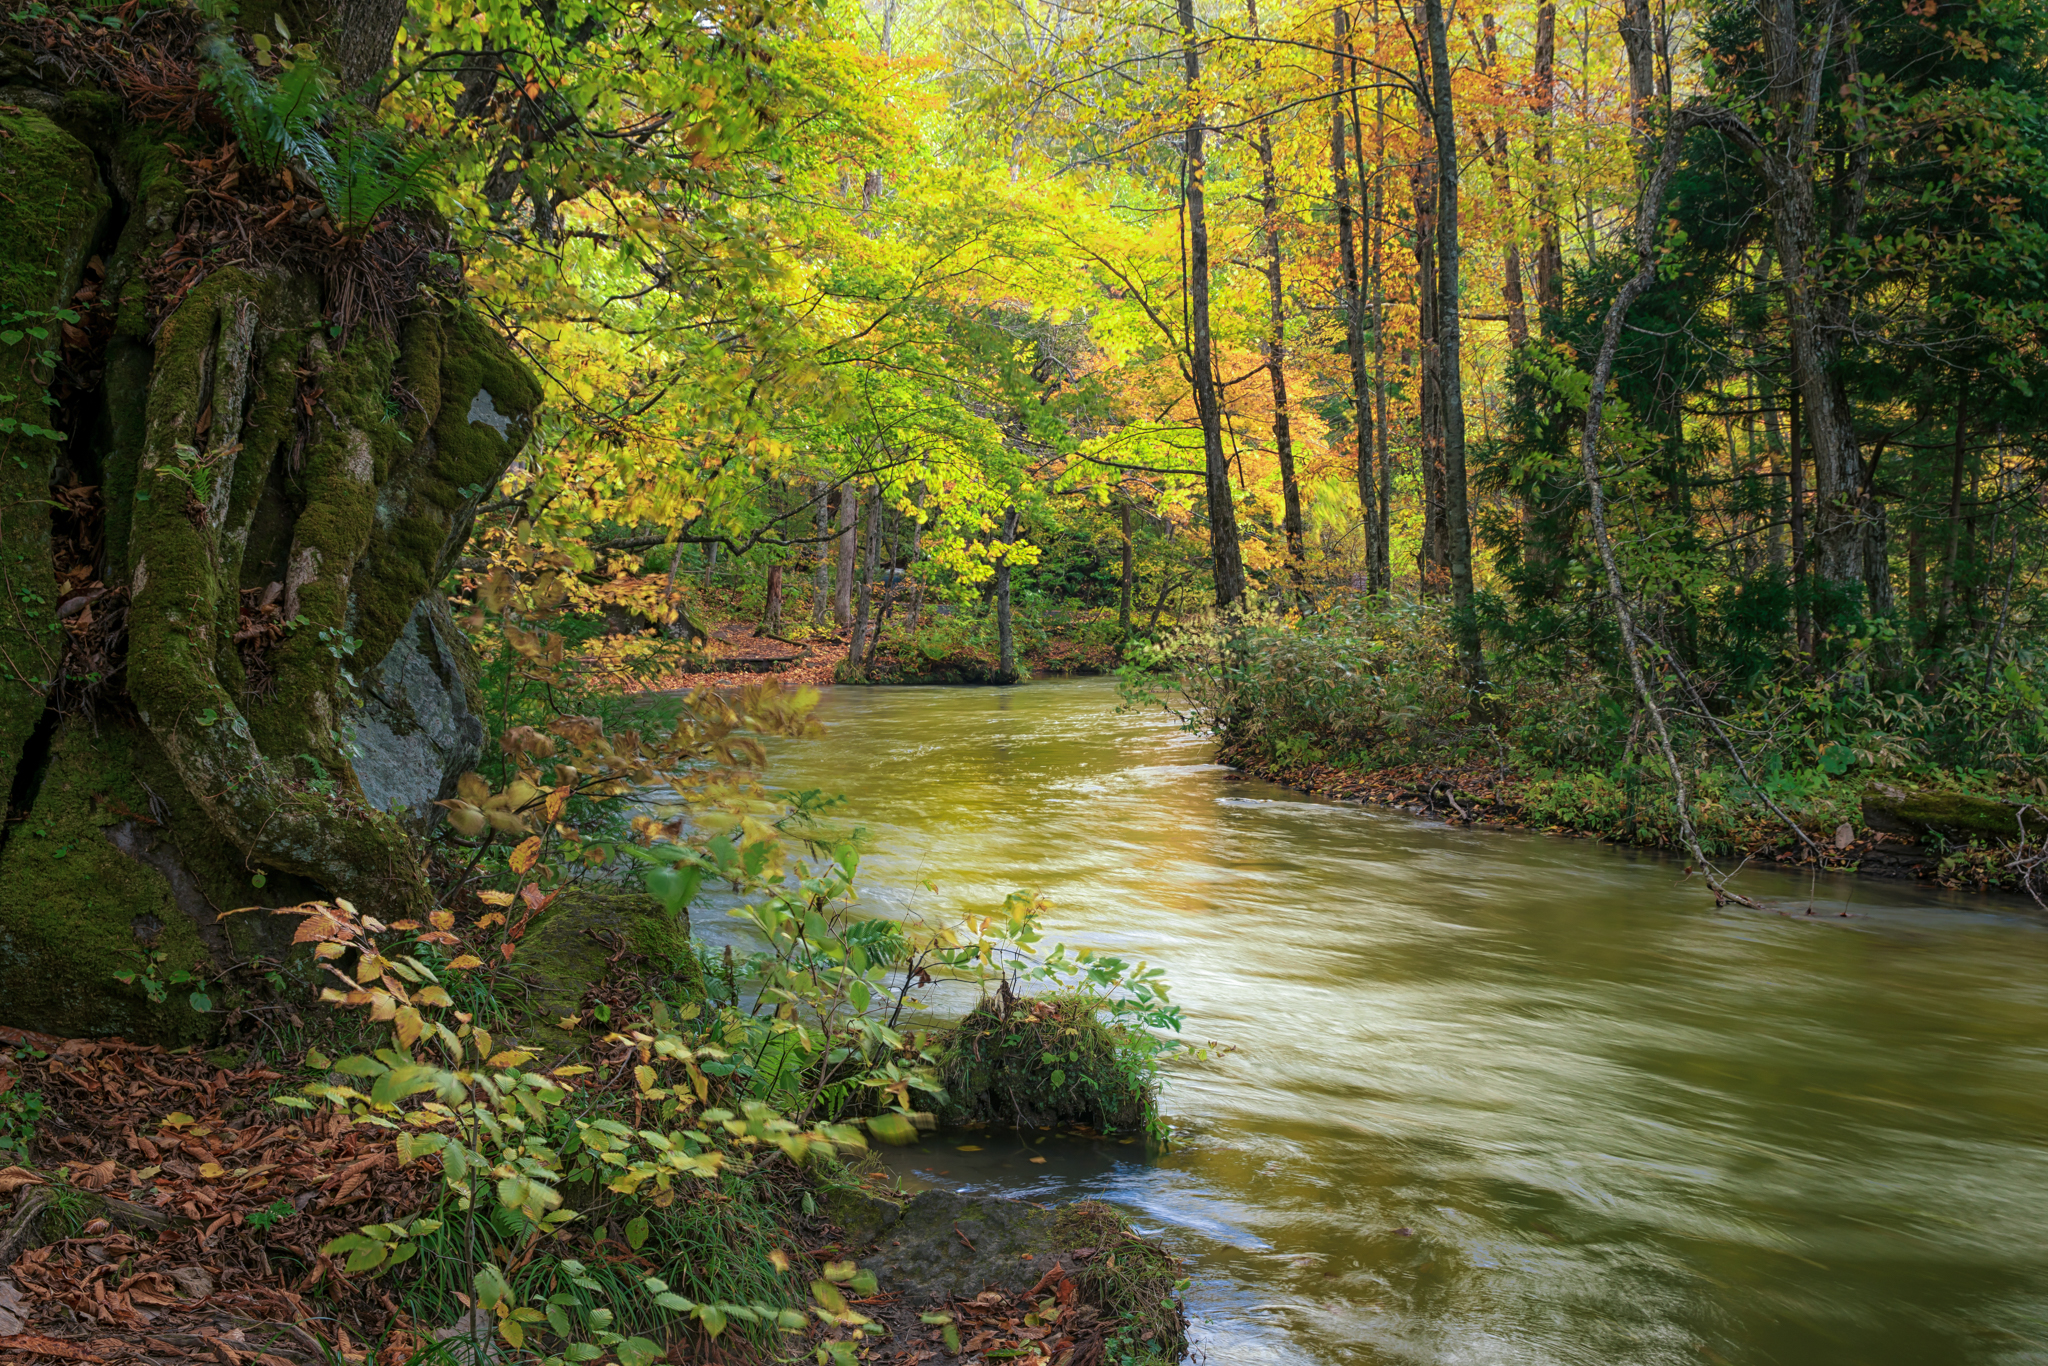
1051,1060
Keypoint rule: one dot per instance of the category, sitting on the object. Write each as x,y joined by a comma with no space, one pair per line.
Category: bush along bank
967,649
1356,703
496,1137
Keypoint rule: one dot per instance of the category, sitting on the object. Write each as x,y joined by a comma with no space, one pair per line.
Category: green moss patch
603,944
56,205
78,909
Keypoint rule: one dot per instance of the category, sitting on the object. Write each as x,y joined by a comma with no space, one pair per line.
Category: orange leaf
526,855
468,960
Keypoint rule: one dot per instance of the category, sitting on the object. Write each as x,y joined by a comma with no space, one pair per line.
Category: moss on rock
77,909
1958,815
476,404
56,206
578,942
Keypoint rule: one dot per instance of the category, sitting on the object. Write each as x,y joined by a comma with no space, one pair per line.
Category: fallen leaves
177,1155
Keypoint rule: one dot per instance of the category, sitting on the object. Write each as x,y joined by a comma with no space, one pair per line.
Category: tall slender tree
1276,339
1226,558
1450,382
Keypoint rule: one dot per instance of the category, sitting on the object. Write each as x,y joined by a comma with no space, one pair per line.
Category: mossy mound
1133,1282
1037,1062
607,946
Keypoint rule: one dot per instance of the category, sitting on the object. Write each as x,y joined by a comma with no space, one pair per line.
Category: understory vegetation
1791,761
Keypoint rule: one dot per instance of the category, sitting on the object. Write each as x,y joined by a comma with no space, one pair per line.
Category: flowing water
1493,1098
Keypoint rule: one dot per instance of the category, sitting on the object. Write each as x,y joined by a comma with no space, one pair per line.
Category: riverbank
735,656
1881,832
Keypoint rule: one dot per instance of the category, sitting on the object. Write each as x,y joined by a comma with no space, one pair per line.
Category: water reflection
1494,1098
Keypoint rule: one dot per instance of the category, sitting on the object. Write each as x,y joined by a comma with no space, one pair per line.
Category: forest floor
173,1212
1489,795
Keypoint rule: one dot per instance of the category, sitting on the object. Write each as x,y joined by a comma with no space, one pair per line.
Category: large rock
418,728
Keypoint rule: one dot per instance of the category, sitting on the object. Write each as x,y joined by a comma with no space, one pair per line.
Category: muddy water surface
1493,1098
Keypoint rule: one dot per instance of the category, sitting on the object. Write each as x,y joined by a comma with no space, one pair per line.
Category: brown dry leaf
36,1345
14,1178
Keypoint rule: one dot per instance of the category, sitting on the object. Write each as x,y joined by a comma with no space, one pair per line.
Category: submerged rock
982,1264
946,1246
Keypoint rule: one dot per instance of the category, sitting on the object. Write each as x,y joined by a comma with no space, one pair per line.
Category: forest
446,446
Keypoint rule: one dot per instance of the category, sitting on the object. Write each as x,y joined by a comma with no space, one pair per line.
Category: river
1492,1098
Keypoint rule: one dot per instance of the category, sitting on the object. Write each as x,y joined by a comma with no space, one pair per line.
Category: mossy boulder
620,941
1953,815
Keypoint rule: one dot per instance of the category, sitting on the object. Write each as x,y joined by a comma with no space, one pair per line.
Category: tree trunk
771,608
856,651
1350,295
1848,529
1006,644
243,525
1549,252
1224,555
842,596
1380,578
821,571
1276,345
1434,552
1123,602
1945,602
1495,154
1638,37
1450,381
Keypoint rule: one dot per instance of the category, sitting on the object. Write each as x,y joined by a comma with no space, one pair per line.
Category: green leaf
636,1232
201,1002
364,1258
712,1317
637,1352
893,1129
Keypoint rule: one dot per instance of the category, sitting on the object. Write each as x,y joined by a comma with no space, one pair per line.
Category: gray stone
946,1246
471,1340
417,730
